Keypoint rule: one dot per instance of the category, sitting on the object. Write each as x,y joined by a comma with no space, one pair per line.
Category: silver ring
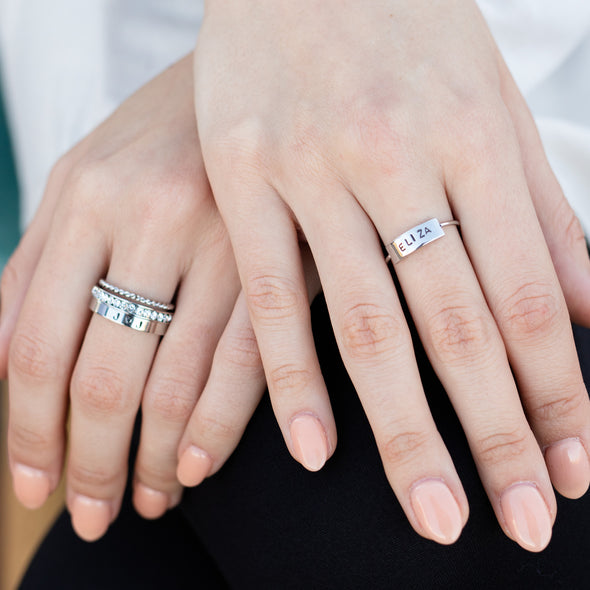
135,297
420,235
127,313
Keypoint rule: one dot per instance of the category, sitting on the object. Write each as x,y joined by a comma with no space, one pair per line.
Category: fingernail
568,465
31,486
149,503
527,516
437,510
90,518
309,442
193,467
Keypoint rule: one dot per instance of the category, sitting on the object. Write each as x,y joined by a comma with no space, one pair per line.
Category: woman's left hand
354,122
130,202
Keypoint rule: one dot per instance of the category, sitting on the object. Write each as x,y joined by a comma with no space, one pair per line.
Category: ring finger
106,388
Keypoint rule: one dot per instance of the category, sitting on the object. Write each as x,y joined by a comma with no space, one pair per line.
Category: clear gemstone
154,315
131,307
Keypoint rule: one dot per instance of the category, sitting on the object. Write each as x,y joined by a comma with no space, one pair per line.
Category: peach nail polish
31,486
309,442
437,510
149,502
569,467
527,516
90,518
193,467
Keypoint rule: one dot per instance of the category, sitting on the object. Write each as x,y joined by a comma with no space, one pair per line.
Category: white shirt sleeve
68,63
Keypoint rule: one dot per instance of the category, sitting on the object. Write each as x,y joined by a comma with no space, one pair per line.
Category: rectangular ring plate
414,238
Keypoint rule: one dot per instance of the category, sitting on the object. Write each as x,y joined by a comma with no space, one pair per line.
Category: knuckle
11,277
100,390
80,209
214,429
305,150
483,131
61,168
240,349
573,234
86,179
272,298
378,136
61,171
28,440
369,331
501,447
93,477
171,398
240,149
287,380
557,410
532,310
33,357
167,203
405,447
158,476
459,334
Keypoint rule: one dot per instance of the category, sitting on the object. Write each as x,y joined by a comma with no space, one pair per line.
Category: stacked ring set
129,309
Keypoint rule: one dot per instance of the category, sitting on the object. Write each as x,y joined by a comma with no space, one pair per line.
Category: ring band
128,313
135,297
127,319
413,239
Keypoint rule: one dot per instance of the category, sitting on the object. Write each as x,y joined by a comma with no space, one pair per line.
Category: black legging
264,521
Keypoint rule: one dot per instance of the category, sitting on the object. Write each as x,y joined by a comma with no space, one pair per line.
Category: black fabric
135,553
265,522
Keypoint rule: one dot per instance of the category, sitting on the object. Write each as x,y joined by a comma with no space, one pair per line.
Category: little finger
525,297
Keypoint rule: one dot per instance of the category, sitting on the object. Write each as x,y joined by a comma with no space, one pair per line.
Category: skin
130,202
350,123
305,162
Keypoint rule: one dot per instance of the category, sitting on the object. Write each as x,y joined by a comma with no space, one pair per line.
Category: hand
355,122
131,202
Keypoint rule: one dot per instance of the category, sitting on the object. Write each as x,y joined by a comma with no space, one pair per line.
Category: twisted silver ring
420,235
135,297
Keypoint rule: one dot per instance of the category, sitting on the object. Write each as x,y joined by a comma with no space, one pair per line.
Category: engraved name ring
415,238
131,310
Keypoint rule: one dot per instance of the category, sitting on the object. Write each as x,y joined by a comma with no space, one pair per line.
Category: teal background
9,212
